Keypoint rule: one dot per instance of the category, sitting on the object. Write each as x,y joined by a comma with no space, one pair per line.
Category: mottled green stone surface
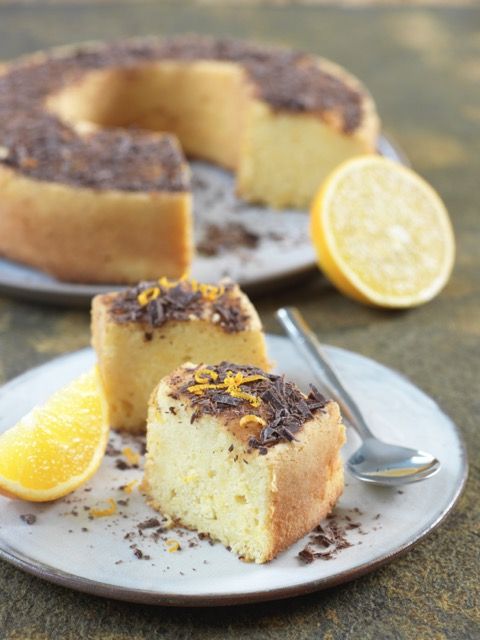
423,66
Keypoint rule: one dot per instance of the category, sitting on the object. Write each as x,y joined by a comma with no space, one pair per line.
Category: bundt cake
94,186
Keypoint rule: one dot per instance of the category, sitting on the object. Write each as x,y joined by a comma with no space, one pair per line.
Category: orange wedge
382,234
56,447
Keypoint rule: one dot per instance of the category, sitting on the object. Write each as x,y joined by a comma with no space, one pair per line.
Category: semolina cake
243,456
94,186
142,333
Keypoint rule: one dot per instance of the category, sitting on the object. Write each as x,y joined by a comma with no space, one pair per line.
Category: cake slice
243,456
141,334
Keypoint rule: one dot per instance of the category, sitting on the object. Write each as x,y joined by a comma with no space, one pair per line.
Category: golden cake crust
308,480
80,235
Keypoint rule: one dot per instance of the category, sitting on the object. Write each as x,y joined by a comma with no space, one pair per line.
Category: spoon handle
307,344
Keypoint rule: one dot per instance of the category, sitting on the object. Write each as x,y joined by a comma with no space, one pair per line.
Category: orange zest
111,510
132,456
202,376
231,383
209,292
173,545
252,419
128,488
148,295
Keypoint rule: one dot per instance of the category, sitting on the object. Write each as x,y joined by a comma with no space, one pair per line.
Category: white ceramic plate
101,561
282,254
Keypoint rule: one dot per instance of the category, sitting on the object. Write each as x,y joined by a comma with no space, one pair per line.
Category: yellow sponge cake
242,455
143,333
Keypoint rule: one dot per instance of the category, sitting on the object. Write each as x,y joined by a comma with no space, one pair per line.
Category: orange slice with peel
382,234
56,447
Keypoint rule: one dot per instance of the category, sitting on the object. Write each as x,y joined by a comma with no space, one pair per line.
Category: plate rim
159,598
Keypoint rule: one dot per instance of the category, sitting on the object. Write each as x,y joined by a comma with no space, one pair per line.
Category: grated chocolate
180,302
38,144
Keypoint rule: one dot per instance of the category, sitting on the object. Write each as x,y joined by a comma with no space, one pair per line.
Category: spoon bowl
378,462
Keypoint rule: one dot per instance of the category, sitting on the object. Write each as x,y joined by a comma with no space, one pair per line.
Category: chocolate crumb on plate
138,553
28,518
222,239
123,466
111,450
327,539
151,523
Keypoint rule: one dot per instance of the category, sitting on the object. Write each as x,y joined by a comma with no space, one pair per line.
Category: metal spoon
375,461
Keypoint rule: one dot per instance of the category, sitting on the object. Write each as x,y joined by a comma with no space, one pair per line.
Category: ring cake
242,455
143,333
92,189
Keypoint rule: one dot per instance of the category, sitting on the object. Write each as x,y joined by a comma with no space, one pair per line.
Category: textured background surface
423,66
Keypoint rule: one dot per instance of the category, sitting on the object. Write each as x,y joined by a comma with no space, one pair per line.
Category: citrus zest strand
128,488
211,292
111,510
173,545
231,383
204,375
198,389
252,419
131,456
148,295
253,400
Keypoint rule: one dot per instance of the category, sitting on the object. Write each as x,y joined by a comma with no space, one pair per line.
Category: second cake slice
143,333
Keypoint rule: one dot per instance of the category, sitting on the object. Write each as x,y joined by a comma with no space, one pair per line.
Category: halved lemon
382,234
56,447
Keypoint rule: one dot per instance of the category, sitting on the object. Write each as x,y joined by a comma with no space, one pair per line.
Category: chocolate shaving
40,145
28,518
112,451
326,540
179,303
232,318
218,240
151,523
122,465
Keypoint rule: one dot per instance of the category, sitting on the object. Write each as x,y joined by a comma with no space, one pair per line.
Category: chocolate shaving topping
180,302
40,145
284,408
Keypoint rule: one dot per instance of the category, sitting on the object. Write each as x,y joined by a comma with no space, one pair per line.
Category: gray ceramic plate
66,547
281,253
